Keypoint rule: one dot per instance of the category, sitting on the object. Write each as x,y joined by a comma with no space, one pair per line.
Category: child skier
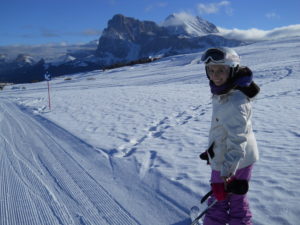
232,144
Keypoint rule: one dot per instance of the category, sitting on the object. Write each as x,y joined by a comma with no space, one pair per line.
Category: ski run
120,147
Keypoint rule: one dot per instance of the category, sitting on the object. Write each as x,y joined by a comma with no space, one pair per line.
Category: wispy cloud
213,8
156,5
49,33
112,2
43,32
91,32
260,35
272,15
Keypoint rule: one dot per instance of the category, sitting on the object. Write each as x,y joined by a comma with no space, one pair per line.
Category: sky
34,22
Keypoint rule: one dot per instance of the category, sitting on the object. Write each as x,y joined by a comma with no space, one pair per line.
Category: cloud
260,35
48,33
272,15
213,8
91,32
156,5
53,34
112,2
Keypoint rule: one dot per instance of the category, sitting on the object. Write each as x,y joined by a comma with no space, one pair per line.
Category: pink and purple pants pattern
234,210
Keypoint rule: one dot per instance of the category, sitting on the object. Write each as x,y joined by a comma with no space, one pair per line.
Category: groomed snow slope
122,146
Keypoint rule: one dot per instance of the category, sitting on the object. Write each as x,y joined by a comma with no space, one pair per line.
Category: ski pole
201,214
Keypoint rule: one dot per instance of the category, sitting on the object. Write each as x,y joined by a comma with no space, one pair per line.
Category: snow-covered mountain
63,59
48,52
24,60
184,24
3,58
59,58
121,143
124,40
127,39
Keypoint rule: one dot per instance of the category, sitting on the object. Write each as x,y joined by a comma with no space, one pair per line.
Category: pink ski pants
234,210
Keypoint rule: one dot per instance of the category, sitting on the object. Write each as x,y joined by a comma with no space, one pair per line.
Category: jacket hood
242,80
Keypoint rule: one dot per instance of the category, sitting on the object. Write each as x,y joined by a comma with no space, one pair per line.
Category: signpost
48,78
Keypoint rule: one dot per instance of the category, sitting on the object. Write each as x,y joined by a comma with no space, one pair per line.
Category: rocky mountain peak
3,58
122,27
188,25
127,39
24,59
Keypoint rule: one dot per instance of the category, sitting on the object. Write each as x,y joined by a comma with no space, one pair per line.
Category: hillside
121,146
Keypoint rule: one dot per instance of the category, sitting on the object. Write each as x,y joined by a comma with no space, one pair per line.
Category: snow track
45,178
38,180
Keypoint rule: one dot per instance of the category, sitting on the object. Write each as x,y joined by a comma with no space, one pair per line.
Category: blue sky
80,21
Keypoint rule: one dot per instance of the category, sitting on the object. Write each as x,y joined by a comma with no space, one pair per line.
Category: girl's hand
226,180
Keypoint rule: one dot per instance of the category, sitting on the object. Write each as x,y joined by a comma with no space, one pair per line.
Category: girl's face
218,74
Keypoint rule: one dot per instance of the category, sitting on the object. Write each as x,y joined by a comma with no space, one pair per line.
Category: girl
232,144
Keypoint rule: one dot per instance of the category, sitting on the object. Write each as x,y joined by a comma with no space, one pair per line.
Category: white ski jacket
231,132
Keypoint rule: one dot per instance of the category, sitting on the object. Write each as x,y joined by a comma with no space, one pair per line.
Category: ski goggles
213,54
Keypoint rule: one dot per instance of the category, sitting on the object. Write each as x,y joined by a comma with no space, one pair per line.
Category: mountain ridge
125,39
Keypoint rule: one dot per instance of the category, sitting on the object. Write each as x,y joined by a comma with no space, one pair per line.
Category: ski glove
210,151
238,187
234,186
219,191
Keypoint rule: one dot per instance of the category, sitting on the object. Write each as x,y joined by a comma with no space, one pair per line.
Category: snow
186,24
62,59
121,146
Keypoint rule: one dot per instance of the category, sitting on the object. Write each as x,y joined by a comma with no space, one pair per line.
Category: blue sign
47,76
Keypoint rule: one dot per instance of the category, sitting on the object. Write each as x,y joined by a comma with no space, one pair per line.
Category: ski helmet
221,56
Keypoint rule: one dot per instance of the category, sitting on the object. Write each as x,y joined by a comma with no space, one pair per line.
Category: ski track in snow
53,171
43,181
133,135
